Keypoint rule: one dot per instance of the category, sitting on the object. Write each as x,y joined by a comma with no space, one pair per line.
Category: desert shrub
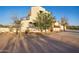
73,27
27,31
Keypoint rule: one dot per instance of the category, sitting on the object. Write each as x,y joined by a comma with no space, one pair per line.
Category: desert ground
60,42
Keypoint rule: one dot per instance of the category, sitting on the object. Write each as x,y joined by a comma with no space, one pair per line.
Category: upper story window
30,23
41,11
56,26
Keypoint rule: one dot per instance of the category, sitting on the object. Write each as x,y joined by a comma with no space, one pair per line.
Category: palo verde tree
17,24
64,22
43,21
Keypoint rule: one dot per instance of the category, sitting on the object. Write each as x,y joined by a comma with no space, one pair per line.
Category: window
56,26
30,22
41,11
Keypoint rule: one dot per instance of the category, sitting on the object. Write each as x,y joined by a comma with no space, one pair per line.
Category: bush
73,27
27,31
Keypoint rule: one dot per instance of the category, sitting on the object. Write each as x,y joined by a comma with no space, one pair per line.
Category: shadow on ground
37,43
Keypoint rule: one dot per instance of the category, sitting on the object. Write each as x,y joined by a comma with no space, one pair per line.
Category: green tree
43,21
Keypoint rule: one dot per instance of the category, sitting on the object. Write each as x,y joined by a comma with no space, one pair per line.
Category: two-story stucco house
32,16
26,21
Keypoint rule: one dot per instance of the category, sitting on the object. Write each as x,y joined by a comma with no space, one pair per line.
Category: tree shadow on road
72,31
39,43
47,44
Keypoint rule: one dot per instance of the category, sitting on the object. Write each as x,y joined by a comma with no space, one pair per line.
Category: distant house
57,27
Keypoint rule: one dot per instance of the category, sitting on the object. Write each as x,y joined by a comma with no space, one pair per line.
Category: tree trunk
45,30
41,30
16,31
64,28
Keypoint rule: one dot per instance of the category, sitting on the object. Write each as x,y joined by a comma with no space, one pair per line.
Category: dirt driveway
69,37
62,42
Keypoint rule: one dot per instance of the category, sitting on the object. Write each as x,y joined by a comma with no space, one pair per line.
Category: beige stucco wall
34,11
7,30
59,28
25,25
4,30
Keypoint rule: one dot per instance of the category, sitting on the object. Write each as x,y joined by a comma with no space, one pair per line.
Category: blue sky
71,12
